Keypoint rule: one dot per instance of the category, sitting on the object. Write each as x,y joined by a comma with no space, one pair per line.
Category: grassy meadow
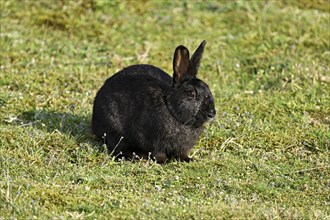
266,156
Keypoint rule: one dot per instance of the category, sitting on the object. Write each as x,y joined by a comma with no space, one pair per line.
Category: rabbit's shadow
67,123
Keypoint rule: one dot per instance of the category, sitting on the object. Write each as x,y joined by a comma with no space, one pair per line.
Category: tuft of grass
265,156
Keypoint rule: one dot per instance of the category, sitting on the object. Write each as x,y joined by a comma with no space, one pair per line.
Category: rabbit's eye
191,94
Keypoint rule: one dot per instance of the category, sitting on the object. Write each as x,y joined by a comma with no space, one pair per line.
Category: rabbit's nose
211,113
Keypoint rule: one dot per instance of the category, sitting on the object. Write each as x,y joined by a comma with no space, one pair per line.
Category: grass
265,157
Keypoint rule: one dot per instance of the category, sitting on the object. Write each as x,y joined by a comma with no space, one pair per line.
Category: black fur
142,110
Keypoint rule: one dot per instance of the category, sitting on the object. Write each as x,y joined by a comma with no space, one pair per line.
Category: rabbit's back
132,93
143,71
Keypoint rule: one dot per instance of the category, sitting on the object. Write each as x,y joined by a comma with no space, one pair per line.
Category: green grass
266,156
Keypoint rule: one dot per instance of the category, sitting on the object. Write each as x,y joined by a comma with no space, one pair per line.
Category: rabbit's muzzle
211,114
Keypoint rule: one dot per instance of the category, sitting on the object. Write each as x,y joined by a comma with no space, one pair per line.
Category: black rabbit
142,111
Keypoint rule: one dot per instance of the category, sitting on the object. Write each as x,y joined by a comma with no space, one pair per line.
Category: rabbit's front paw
185,158
160,157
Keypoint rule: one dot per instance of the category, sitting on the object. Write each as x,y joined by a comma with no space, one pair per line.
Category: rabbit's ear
180,64
195,60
